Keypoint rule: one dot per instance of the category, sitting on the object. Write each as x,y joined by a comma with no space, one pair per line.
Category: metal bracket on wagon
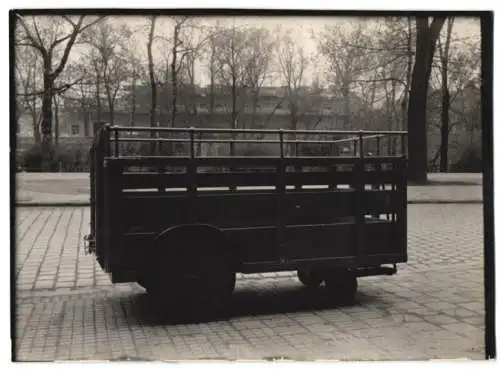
89,244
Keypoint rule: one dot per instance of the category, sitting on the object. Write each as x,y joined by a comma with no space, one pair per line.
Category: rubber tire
341,285
310,279
192,277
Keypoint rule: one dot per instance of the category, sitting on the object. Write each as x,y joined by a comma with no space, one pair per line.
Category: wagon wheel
310,278
341,285
191,275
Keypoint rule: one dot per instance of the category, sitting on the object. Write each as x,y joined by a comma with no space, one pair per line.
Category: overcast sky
301,26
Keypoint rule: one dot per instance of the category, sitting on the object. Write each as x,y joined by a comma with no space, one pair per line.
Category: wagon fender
202,232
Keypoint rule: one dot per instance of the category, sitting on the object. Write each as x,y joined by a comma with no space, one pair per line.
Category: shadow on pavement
245,303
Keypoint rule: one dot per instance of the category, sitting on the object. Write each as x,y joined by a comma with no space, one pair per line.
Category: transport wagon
182,221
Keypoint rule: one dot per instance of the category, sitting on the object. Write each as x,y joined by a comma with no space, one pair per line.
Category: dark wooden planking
243,161
337,240
260,244
248,209
137,180
302,242
316,241
382,238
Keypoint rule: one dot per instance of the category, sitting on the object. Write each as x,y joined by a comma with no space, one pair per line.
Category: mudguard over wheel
192,271
341,285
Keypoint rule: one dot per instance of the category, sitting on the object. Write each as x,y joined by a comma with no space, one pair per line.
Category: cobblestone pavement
67,308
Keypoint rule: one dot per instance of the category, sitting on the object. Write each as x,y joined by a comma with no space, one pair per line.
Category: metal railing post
117,144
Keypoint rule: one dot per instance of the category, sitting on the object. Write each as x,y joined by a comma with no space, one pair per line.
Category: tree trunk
46,125
111,105
194,98
394,120
36,129
233,113
174,75
56,121
36,123
345,95
98,100
86,122
133,107
417,130
445,114
409,50
212,97
255,102
445,131
111,112
293,126
152,113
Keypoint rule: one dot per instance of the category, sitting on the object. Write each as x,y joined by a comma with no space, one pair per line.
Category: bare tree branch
57,90
33,43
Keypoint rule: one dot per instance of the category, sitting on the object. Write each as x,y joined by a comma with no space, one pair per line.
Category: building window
75,130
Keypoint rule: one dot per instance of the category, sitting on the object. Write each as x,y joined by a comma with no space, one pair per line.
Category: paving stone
433,308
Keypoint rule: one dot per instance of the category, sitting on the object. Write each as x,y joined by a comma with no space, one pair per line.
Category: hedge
70,158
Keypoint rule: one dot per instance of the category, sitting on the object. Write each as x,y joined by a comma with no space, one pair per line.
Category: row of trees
389,65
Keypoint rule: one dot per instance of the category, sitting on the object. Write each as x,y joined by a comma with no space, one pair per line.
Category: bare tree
81,96
347,58
110,60
162,70
396,44
176,64
444,53
231,67
464,82
56,119
189,40
213,65
28,82
47,35
462,100
137,75
409,55
86,101
95,74
152,80
292,63
426,38
193,40
259,60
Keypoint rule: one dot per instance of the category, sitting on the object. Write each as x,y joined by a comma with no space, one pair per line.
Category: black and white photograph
235,185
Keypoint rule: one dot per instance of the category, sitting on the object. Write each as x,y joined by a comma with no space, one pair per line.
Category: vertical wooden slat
114,227
92,161
281,206
359,201
101,210
107,139
402,209
232,169
191,187
297,168
117,143
403,145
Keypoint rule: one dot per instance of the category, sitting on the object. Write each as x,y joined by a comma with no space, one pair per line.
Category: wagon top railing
111,136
